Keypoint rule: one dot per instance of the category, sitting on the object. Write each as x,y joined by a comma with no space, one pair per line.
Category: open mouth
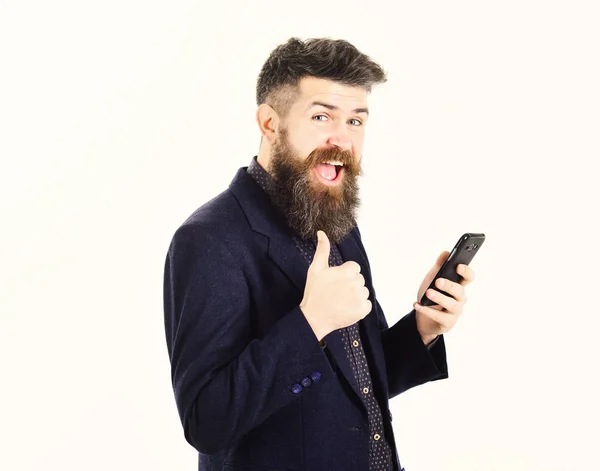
330,173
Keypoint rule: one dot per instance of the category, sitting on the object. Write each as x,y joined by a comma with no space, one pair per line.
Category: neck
264,156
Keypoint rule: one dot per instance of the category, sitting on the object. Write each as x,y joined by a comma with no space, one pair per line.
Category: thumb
442,258
438,264
321,258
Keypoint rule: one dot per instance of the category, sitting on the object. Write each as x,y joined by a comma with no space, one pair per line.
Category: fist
334,297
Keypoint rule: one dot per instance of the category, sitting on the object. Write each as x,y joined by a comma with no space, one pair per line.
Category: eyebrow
336,108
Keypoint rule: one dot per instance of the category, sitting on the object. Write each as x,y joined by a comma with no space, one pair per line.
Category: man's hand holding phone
448,302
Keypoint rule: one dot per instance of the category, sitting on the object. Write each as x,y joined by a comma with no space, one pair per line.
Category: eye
320,116
358,121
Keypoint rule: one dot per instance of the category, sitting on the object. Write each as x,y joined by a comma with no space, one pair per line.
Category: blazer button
296,388
316,376
306,382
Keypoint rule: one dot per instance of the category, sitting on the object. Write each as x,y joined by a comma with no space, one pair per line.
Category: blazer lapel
265,219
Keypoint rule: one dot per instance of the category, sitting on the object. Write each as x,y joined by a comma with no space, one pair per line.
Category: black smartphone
462,253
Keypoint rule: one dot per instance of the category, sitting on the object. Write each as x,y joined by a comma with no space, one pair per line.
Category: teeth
335,162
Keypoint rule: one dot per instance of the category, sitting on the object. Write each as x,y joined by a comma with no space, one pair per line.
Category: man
281,355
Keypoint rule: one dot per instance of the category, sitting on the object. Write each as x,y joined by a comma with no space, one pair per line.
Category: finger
321,258
444,319
368,307
466,273
350,267
356,281
456,290
359,280
450,304
438,264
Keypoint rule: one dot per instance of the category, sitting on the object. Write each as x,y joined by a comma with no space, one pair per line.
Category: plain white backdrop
119,118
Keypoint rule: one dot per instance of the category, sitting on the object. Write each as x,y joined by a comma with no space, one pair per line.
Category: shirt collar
259,174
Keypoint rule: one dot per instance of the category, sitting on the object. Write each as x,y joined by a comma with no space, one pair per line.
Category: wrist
319,333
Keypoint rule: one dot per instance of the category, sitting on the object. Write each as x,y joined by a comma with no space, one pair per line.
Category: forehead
344,96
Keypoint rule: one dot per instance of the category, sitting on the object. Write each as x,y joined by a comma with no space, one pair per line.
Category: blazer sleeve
226,382
409,362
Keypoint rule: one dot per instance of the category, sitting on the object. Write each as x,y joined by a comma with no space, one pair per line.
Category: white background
119,118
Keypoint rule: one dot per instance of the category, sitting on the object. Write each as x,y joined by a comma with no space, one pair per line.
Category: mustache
323,155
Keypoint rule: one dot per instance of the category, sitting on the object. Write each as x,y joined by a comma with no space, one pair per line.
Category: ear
268,122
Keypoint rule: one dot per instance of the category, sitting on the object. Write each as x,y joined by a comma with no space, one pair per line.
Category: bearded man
281,355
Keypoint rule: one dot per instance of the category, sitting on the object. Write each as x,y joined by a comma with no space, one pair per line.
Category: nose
341,140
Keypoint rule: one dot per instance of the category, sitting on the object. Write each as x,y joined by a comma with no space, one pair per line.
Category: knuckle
458,307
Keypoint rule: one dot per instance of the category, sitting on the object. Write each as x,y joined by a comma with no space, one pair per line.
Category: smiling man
315,167
282,358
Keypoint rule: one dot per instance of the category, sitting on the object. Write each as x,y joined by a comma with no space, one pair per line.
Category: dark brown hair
333,59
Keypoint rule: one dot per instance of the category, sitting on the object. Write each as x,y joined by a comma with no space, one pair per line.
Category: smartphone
462,253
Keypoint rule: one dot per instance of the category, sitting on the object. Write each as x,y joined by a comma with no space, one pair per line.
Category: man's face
315,161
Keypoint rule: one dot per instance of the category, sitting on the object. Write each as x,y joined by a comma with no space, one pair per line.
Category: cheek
311,135
304,144
357,144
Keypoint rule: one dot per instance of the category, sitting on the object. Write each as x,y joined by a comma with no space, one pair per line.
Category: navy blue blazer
240,346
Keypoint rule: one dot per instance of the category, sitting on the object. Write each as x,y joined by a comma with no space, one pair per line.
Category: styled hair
333,59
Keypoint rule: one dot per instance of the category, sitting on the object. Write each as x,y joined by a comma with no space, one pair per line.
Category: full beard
307,204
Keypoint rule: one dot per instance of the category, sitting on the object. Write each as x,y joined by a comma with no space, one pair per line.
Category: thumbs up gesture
334,297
